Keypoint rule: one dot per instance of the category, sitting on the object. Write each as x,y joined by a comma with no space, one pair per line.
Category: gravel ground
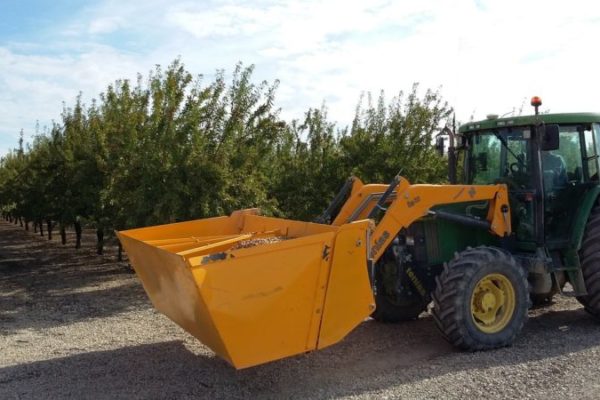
75,325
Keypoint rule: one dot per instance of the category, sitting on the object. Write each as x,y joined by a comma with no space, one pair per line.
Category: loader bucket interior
252,288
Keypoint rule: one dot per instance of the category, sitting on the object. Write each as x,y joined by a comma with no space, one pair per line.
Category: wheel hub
489,301
492,303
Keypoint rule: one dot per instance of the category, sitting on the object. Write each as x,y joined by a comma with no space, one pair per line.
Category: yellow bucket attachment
255,289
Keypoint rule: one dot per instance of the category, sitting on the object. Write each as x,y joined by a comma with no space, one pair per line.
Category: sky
484,56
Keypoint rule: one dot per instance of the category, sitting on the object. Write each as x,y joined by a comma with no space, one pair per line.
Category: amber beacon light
536,102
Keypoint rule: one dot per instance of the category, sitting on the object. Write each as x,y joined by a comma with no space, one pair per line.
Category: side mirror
550,138
439,145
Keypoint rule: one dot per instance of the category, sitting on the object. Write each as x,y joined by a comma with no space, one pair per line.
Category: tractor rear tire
481,299
589,254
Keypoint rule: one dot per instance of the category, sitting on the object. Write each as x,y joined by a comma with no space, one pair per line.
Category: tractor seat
555,172
549,181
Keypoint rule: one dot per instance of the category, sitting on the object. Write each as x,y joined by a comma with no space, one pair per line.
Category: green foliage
397,137
173,147
309,166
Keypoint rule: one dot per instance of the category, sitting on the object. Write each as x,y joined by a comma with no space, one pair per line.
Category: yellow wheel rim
492,303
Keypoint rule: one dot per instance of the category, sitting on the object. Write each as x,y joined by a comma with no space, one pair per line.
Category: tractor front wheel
396,297
481,299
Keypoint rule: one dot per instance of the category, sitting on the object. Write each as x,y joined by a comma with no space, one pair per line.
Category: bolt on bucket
252,288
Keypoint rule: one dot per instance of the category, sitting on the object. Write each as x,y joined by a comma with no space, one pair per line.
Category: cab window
574,162
500,156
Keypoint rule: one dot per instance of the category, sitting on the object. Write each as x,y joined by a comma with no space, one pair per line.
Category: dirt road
75,325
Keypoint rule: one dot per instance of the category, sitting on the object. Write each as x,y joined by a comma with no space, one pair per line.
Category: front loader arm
407,203
412,202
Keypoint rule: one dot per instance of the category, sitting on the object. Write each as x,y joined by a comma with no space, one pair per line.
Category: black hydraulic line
462,219
382,200
336,204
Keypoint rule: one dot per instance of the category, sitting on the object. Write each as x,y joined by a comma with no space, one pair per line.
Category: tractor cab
549,163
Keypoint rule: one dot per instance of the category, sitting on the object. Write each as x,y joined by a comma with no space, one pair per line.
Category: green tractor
523,221
481,285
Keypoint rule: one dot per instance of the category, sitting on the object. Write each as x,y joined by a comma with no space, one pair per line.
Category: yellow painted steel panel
173,290
197,228
249,305
287,227
349,297
265,304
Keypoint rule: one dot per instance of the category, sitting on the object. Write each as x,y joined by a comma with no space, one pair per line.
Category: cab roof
565,118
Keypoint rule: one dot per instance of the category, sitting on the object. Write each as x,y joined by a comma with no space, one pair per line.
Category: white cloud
227,21
487,56
34,87
105,25
289,27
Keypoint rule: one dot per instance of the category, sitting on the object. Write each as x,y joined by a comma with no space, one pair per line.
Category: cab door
505,156
567,173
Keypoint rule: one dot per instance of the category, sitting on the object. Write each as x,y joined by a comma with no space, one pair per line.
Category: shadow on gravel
44,284
374,357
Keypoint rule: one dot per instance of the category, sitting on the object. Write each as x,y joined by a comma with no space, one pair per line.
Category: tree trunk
41,225
26,225
100,242
77,225
34,226
49,225
21,221
63,234
120,252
